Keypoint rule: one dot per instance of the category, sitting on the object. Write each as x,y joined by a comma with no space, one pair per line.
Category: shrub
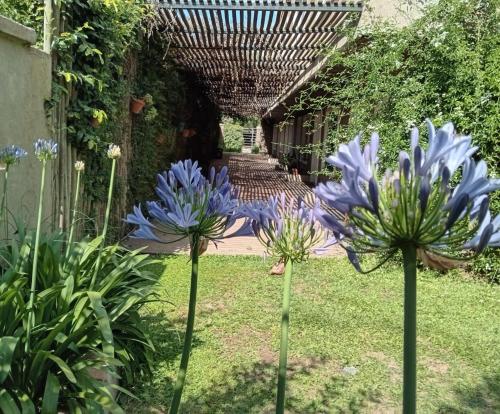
255,149
487,266
82,341
233,137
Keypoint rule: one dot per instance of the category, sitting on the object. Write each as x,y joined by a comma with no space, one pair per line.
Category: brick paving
257,178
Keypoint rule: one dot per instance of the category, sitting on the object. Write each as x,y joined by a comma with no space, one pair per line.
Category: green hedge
233,136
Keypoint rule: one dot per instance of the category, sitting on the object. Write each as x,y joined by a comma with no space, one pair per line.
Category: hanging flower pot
136,105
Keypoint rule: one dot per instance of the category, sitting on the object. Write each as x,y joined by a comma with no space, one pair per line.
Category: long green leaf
7,347
7,403
51,394
64,367
27,406
103,322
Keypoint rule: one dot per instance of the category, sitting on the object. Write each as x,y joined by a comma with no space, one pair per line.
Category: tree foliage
445,66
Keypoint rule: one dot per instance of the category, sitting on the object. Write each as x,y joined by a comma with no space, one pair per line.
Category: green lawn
339,319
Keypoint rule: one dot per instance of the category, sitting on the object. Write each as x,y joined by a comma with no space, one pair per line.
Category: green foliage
444,66
26,12
487,266
154,138
255,149
233,135
91,55
83,341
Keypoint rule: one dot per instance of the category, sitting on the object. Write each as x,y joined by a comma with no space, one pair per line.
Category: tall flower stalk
113,153
9,156
45,150
195,207
414,209
288,230
79,167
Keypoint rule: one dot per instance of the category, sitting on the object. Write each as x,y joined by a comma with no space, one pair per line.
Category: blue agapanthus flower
287,228
45,149
11,154
417,203
188,204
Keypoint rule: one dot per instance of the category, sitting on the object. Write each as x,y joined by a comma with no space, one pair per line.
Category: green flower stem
410,331
106,222
3,207
285,320
73,219
31,313
181,376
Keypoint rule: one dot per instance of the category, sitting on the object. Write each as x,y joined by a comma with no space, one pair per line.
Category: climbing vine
155,133
444,66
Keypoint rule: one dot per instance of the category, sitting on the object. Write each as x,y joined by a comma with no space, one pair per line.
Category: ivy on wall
155,133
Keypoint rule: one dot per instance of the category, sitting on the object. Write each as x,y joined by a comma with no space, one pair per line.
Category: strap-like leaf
7,347
64,367
103,322
27,406
7,403
51,394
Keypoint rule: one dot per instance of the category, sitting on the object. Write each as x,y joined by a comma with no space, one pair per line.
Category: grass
345,351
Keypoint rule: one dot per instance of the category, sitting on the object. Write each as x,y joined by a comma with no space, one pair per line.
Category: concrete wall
25,83
397,12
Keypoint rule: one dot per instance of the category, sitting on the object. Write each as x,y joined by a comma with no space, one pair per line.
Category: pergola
249,52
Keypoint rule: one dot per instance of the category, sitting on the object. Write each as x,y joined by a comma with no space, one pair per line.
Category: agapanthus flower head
79,166
114,152
11,155
416,203
188,204
287,228
45,149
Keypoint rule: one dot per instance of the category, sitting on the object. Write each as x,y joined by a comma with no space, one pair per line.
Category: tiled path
256,178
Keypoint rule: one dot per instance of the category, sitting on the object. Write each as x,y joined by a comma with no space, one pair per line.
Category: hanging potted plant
136,105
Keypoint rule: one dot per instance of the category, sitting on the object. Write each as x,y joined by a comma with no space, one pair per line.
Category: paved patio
257,178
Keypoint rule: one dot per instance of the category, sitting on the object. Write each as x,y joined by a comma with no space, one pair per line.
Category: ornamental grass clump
289,231
434,205
190,206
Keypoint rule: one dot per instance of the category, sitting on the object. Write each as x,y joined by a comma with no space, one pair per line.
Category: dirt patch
393,367
246,340
436,366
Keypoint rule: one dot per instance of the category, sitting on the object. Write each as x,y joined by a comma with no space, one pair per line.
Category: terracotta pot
136,105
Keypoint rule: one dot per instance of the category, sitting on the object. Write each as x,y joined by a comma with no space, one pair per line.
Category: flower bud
79,166
114,151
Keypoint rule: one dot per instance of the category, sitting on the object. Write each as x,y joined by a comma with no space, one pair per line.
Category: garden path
256,178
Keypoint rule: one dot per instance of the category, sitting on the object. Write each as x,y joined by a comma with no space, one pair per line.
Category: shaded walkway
256,178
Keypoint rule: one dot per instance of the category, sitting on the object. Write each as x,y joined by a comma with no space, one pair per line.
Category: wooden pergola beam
264,5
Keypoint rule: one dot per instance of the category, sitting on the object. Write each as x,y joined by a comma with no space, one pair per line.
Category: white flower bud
79,166
114,151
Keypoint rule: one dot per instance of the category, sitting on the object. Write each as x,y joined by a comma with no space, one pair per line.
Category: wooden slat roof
248,52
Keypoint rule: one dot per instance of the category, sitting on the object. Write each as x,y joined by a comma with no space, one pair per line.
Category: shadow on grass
484,397
252,390
167,335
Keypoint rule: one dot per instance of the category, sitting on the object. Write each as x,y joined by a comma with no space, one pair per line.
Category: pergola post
47,26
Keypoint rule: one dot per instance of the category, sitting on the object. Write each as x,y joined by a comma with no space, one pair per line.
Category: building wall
25,83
